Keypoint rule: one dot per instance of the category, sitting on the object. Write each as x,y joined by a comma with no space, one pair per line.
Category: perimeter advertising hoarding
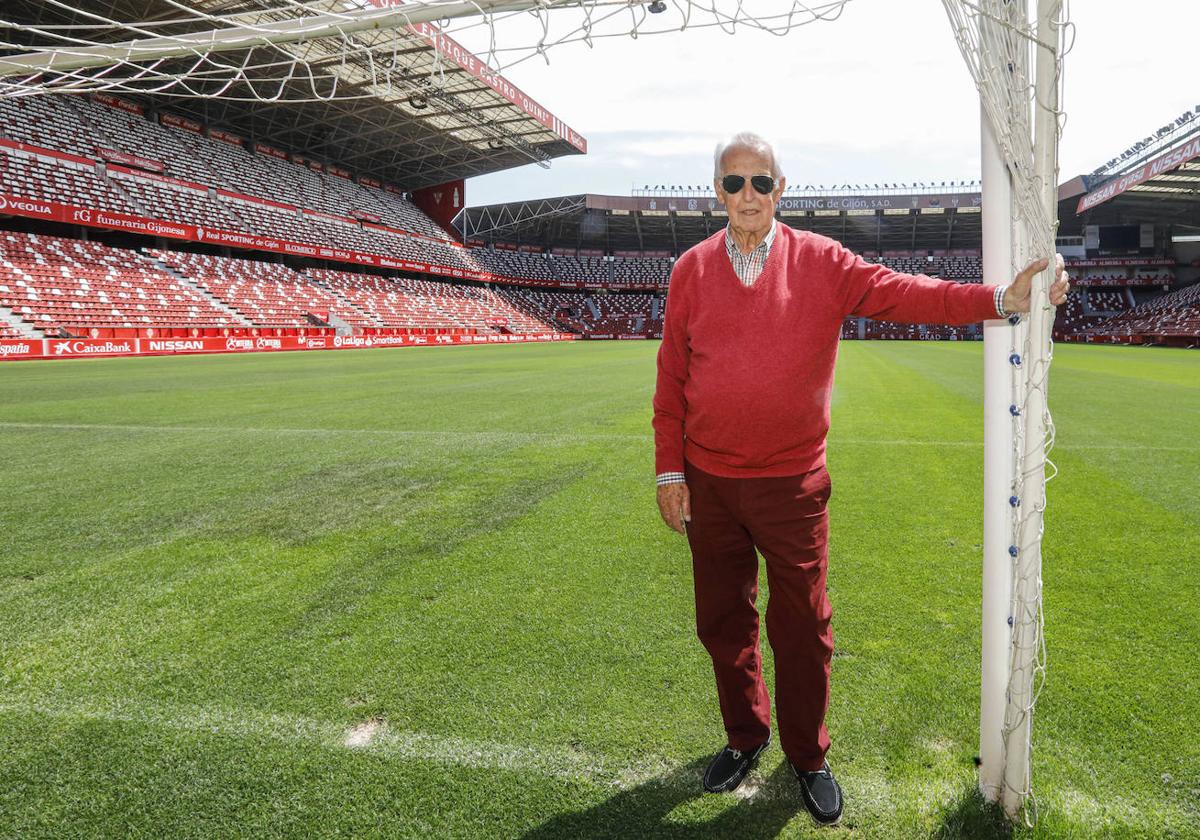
90,348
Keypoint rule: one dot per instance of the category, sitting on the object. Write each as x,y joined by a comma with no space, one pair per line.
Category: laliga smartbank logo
353,341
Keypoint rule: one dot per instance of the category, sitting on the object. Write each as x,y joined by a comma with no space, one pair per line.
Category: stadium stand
175,203
80,127
47,121
265,294
617,271
423,304
968,268
127,163
68,285
1106,301
625,314
560,309
1175,314
595,316
255,215
1071,319
473,307
47,179
513,264
640,271
586,270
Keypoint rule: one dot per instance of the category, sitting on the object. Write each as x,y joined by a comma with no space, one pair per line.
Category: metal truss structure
507,222
599,222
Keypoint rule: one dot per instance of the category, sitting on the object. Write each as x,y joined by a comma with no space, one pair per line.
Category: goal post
999,338
1016,60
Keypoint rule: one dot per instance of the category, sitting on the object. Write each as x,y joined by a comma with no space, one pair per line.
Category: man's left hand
1016,297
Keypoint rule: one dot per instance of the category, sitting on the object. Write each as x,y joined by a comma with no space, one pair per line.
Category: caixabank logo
78,347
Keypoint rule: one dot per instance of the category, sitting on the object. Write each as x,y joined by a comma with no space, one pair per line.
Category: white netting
286,50
1003,44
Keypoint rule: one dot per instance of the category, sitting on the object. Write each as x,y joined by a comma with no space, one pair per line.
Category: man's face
749,210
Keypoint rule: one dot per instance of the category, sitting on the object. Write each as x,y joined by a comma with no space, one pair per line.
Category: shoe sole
818,824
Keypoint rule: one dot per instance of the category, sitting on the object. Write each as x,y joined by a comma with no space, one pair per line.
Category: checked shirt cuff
669,478
1000,290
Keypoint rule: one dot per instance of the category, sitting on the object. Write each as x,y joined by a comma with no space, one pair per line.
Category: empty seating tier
68,285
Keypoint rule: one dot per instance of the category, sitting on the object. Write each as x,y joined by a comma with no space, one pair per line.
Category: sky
881,94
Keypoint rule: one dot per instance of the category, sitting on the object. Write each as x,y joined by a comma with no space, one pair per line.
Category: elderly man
741,410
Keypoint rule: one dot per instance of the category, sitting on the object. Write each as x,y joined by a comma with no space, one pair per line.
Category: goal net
294,51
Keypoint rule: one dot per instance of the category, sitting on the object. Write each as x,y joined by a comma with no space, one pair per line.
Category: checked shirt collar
748,266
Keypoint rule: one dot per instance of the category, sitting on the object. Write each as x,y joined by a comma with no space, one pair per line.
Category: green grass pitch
426,593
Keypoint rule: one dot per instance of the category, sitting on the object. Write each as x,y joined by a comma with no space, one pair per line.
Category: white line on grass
372,736
564,437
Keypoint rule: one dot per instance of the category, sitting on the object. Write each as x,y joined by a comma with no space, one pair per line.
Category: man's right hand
675,505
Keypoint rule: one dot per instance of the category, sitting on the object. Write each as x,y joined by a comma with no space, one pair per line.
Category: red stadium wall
442,203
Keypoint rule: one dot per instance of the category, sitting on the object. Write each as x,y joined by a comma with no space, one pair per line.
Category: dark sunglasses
763,184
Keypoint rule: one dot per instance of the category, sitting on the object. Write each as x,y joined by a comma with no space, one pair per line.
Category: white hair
753,142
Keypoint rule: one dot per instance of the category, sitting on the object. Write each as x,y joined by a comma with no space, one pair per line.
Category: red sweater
745,373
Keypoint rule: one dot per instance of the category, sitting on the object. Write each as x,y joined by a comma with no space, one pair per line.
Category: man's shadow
641,812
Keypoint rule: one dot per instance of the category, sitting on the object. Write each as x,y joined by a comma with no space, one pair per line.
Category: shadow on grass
970,817
643,811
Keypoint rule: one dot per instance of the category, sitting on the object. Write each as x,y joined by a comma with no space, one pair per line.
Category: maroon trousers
787,520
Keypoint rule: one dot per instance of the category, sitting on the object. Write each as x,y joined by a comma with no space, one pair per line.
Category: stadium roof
1157,178
443,116
874,221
